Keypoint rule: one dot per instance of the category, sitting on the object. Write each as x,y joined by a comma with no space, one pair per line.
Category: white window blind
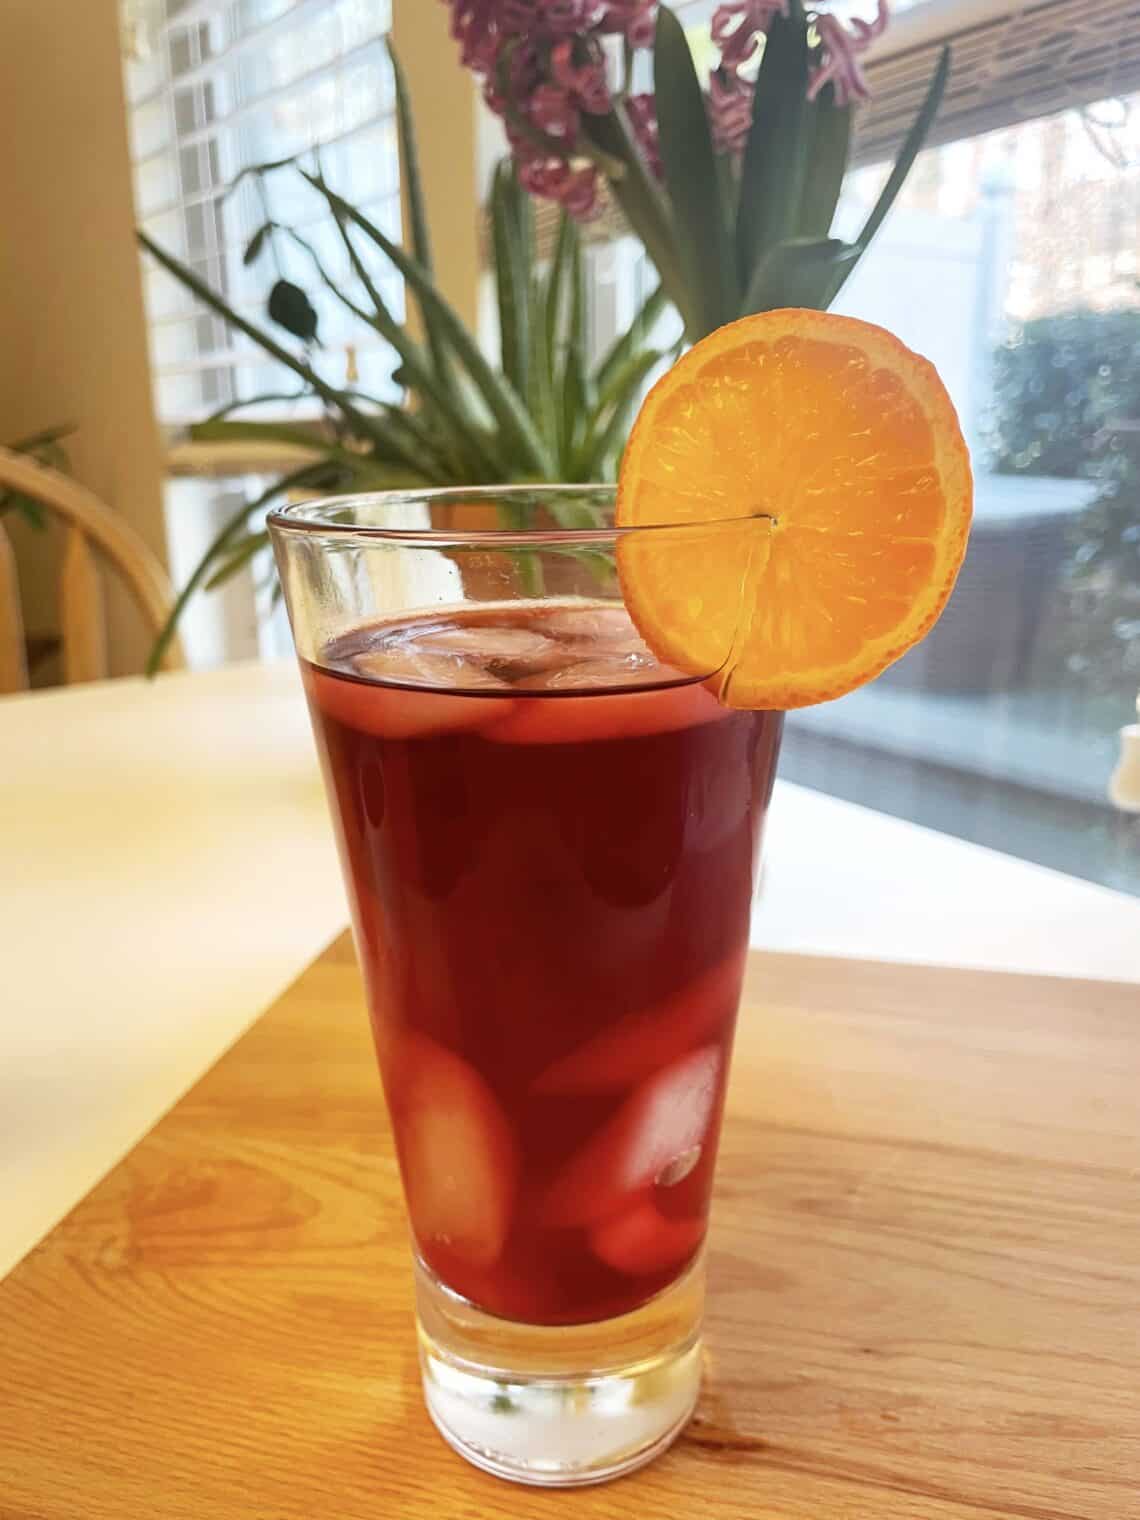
1013,60
215,86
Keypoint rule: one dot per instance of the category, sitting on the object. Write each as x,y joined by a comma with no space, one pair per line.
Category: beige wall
72,329
445,99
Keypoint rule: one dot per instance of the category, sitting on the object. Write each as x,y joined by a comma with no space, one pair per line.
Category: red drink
551,841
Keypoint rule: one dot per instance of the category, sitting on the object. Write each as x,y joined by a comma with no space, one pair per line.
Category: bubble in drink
679,1168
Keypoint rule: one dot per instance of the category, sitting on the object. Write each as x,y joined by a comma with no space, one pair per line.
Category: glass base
560,1405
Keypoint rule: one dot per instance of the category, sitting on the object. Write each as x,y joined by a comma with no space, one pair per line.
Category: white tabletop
166,869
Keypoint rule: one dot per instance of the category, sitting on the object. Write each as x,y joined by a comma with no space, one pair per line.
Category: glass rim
303,518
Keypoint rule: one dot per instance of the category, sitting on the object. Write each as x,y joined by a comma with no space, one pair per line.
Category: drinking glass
550,842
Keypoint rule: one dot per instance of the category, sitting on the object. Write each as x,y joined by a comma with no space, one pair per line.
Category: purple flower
552,18
580,193
736,28
576,190
474,27
730,110
585,83
553,111
840,66
636,20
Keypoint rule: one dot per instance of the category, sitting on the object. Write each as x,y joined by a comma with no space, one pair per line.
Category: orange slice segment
817,484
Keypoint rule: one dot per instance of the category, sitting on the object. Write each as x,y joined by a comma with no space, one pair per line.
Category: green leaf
772,175
311,475
800,272
472,453
417,206
242,553
574,404
291,309
829,134
540,391
258,400
519,434
554,294
909,151
410,166
199,288
691,179
256,243
606,428
624,347
510,277
644,206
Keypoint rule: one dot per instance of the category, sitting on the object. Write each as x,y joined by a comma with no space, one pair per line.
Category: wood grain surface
925,1279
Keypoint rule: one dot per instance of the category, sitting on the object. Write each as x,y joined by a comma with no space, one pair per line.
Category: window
1008,261
226,84
1011,261
215,86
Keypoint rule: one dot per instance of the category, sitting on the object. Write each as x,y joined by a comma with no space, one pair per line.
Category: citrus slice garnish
818,484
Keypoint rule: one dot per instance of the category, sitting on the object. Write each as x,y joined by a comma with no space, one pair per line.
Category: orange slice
819,488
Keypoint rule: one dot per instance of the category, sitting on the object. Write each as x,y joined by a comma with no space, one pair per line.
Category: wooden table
925,1278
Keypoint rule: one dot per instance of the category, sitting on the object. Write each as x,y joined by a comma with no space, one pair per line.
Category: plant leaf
310,475
540,392
410,166
555,290
509,277
417,207
829,132
519,433
644,206
611,415
256,243
242,553
642,324
199,288
771,178
799,272
691,178
472,453
912,145
291,309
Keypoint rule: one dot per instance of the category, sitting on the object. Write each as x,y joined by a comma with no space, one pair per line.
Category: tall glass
550,842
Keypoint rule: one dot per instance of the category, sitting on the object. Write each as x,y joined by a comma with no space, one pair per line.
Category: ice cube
635,668
411,665
639,1044
403,712
457,1152
510,651
643,1240
666,1116
592,624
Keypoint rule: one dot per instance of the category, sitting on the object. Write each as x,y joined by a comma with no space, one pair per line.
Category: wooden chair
93,532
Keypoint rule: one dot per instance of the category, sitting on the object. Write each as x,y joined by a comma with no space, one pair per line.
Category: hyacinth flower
732,182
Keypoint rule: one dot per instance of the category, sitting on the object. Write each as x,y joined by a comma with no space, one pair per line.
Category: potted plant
730,182
540,411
